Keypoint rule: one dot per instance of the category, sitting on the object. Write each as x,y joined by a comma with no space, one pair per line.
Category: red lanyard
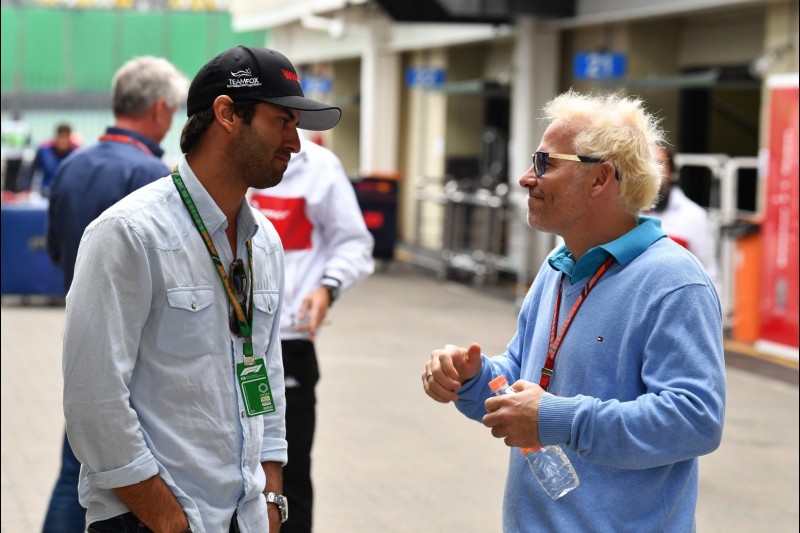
117,138
556,340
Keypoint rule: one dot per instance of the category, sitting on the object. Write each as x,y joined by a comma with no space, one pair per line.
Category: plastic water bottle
549,464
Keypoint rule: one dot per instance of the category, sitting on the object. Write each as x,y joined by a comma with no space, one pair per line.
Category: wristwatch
281,502
333,291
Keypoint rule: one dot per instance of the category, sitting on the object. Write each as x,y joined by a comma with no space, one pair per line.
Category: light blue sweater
637,394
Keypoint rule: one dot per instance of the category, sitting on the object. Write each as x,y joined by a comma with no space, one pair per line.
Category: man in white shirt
683,220
328,250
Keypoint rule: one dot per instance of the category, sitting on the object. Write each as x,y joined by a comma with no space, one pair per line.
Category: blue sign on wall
426,77
316,84
599,65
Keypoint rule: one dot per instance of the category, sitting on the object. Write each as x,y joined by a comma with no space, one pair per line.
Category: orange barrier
747,282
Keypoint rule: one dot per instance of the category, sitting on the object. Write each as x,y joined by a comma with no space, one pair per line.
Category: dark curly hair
198,123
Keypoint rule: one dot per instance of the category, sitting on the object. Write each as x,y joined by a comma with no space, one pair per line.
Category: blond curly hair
619,130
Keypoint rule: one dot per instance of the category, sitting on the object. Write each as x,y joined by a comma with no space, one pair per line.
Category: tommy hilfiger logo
290,75
243,78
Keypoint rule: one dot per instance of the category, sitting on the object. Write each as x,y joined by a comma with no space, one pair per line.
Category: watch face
281,502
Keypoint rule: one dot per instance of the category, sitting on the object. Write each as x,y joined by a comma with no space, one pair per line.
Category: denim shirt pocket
187,323
265,304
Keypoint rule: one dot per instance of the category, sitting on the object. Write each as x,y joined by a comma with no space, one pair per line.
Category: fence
474,223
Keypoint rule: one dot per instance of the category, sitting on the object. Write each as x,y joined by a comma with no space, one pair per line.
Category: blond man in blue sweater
618,353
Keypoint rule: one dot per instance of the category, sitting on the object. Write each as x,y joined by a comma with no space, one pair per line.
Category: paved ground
387,459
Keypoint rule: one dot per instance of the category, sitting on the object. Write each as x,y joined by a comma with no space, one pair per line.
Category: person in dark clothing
16,137
146,92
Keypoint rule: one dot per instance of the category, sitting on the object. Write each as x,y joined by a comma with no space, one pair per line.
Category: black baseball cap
246,74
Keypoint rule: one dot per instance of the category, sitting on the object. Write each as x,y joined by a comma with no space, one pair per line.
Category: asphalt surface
387,458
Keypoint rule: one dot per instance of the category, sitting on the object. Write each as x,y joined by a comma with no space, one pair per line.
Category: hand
313,310
153,504
448,369
515,417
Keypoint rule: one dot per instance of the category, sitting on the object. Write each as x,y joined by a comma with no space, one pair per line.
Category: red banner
779,281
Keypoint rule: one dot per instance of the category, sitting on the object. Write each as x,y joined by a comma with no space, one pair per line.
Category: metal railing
475,223
723,212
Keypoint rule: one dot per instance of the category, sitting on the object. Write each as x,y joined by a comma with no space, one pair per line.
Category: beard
535,220
254,163
543,219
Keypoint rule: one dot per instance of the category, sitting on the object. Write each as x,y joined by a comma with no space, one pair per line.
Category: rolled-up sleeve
107,307
274,446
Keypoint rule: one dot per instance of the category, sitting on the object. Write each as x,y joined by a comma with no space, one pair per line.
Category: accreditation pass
256,392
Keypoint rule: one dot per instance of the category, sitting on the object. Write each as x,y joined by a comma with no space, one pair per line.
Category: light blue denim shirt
149,359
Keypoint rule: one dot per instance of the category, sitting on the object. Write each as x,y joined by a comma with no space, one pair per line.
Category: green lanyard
245,321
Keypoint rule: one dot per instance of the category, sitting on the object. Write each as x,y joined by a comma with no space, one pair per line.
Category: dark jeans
302,373
128,523
65,514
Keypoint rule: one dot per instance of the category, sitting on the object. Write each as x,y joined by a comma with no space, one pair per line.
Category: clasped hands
511,417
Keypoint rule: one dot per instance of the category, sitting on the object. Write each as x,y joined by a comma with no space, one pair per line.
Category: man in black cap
174,393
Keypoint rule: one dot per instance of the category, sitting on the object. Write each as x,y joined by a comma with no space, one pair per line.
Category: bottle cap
498,383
